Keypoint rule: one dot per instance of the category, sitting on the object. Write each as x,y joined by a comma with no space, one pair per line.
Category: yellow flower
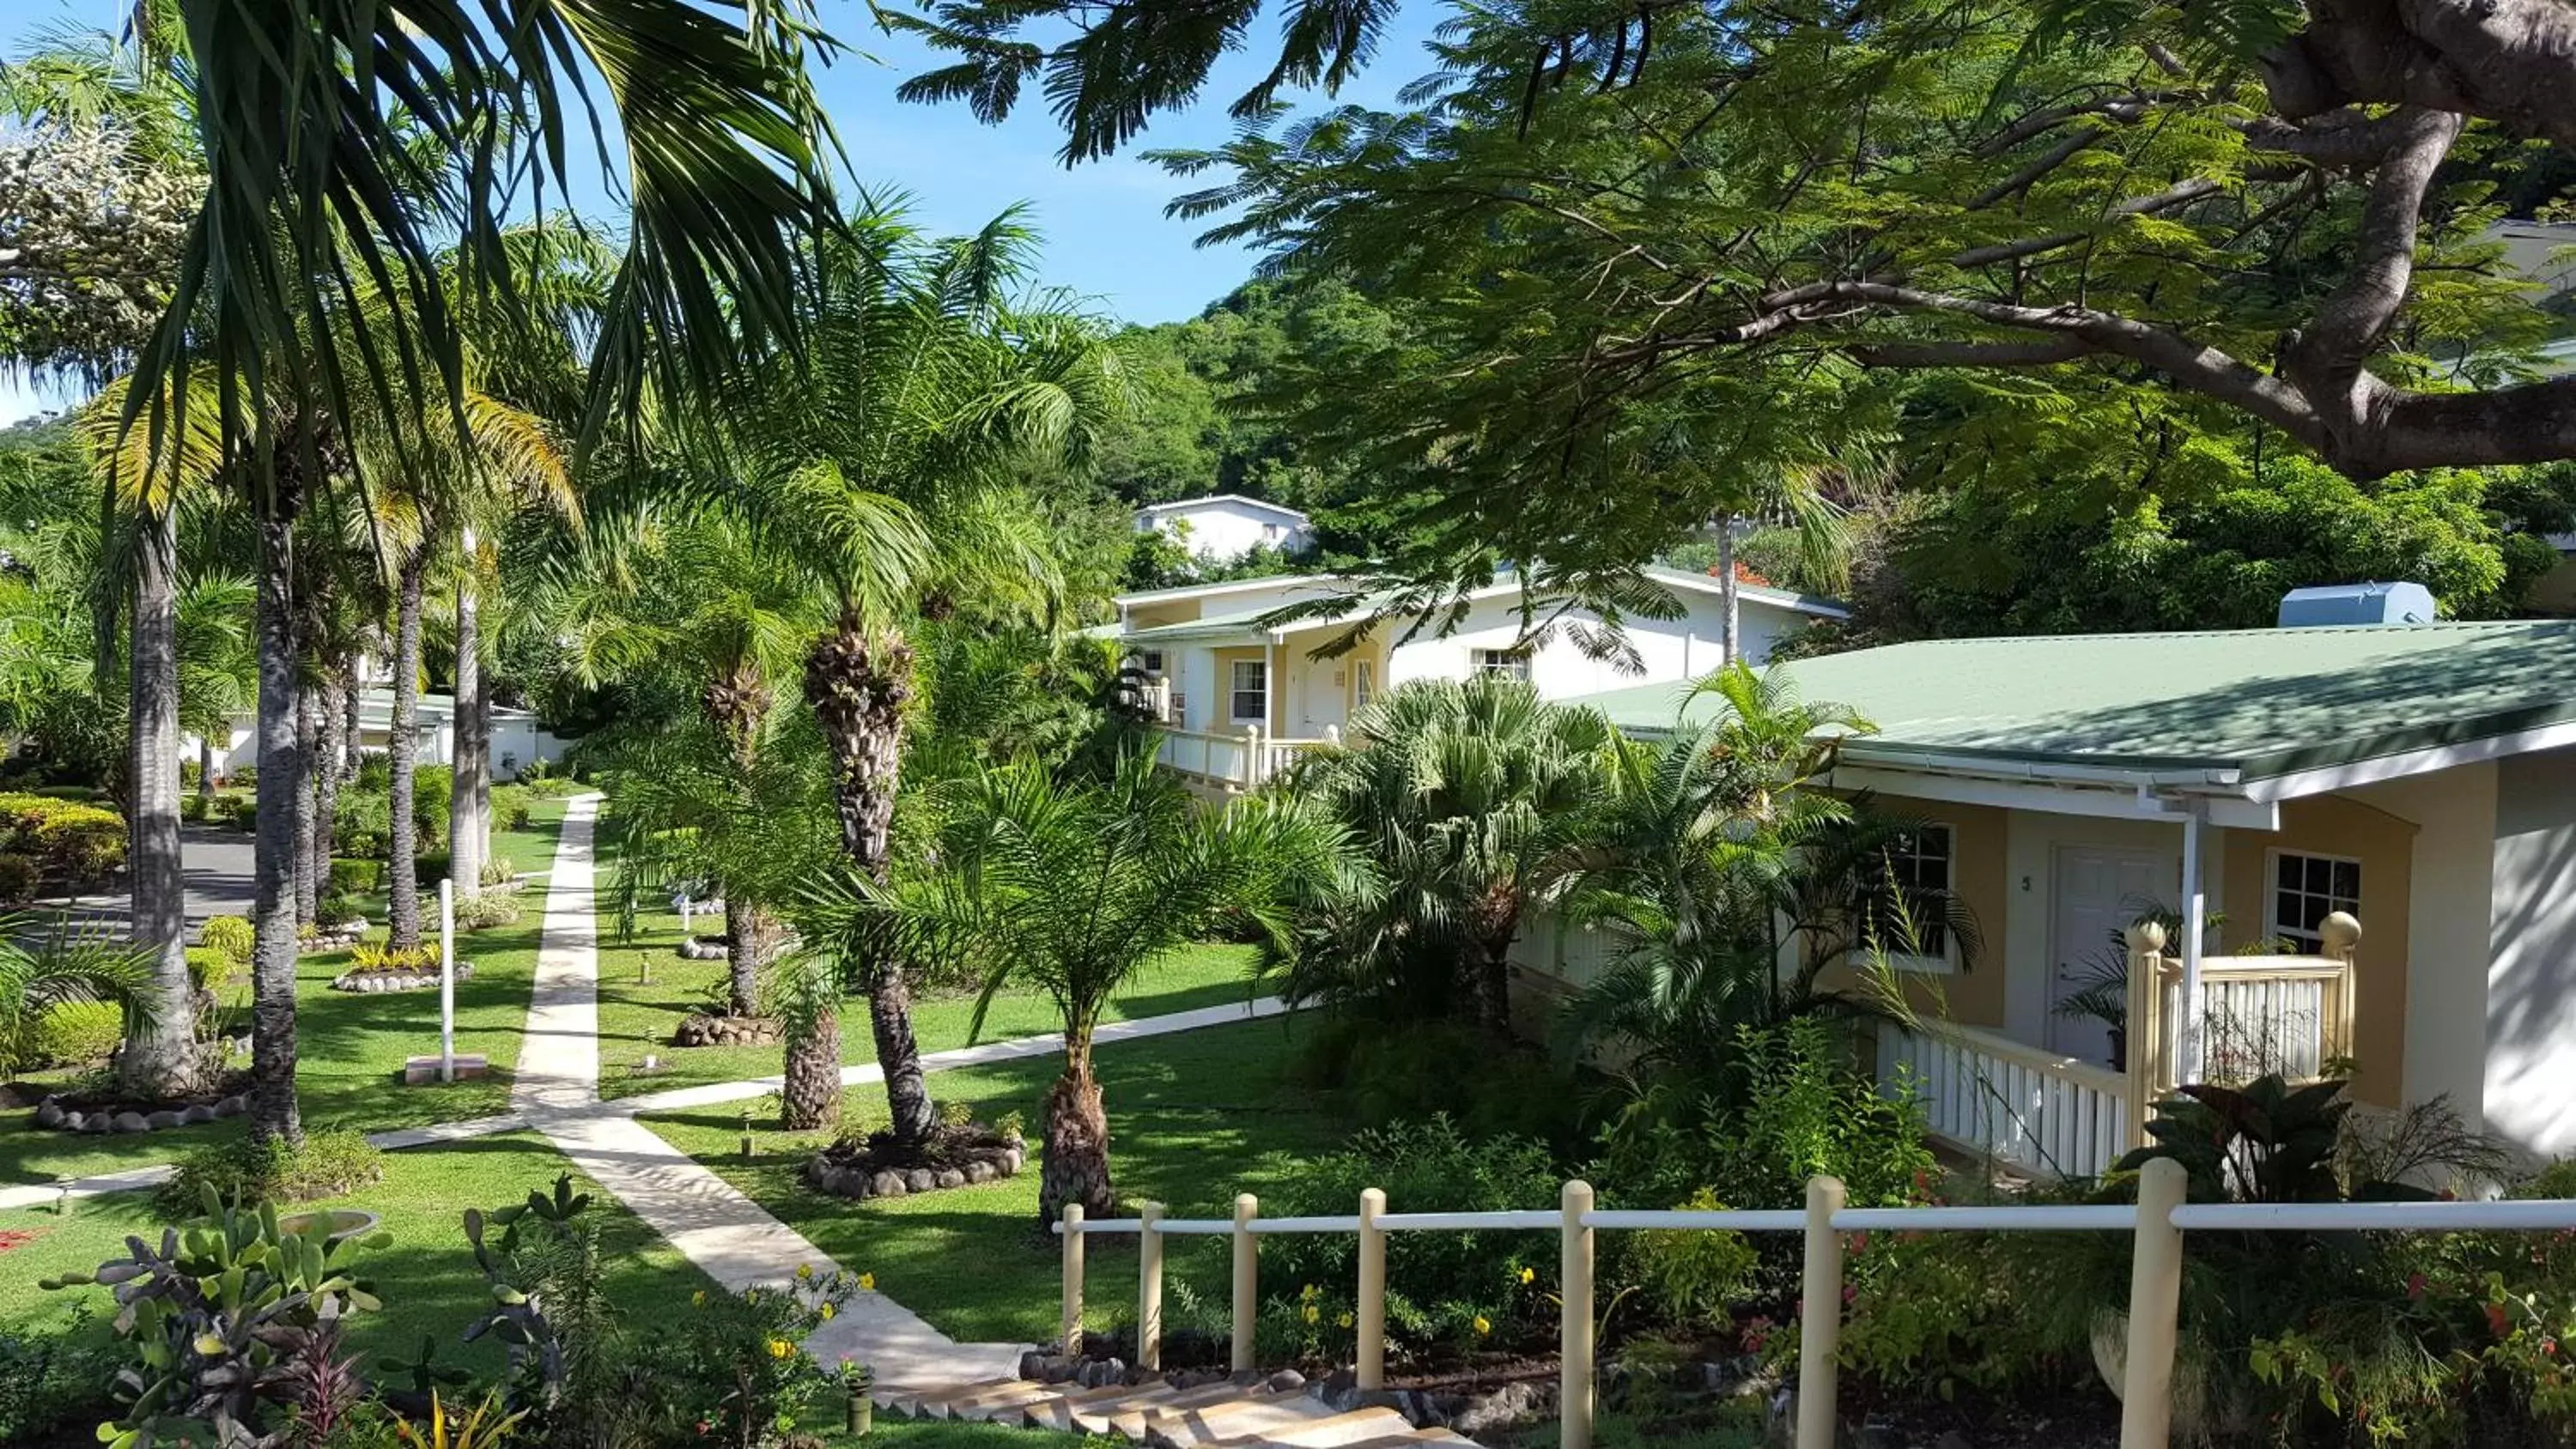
867,1282
1342,1322
1313,1313
804,1270
698,1299
751,1295
1308,1293
1483,1327
781,1348
1528,1276
827,1312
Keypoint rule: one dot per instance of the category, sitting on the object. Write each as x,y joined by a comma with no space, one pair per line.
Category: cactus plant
214,1313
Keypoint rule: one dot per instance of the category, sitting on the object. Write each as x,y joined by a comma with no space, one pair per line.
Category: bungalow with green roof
2419,780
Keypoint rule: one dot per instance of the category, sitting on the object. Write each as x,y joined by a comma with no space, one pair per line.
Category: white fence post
1372,1304
1820,1318
2155,1305
1149,1288
1251,756
1247,1284
1574,1333
1073,1279
447,980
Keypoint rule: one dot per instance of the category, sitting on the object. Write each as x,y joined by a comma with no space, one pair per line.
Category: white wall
1670,650
2031,841
2526,1031
1225,529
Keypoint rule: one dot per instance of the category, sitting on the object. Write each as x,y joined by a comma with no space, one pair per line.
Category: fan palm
1469,800
1078,887
890,463
65,966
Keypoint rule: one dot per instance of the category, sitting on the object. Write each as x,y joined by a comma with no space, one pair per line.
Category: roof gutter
2204,779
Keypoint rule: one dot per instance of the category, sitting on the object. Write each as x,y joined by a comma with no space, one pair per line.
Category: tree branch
2045,353
2505,61
2328,354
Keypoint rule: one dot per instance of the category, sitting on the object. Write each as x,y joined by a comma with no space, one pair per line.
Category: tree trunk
859,680
465,795
159,1058
752,936
206,765
735,702
273,1111
326,780
353,740
306,887
402,753
810,1097
1076,1168
1727,631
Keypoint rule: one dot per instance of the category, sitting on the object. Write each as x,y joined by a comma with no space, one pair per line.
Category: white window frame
2277,929
1511,663
1947,962
1363,684
1235,691
1150,661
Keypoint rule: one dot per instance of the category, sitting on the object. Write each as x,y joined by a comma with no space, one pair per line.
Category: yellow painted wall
1975,996
1149,616
1222,716
2385,846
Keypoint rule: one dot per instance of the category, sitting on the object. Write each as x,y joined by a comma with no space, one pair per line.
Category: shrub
74,840
76,1033
20,876
192,807
500,870
429,868
243,775
53,1377
245,813
375,956
481,912
735,1362
362,822
333,1162
209,968
333,909
1439,1285
375,772
511,807
232,935
87,793
357,877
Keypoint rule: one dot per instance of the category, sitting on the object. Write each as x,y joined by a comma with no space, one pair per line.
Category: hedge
68,839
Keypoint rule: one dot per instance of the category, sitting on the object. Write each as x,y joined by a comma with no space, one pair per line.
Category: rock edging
52,1116
395,980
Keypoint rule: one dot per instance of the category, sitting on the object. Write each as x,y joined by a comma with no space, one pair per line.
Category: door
1320,692
2099,891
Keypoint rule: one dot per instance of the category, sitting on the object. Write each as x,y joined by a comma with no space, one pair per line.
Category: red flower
2414,1286
1849,1293
2549,1347
1859,1244
2495,1319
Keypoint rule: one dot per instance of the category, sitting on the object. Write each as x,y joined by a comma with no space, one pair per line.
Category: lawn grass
426,1278
637,1016
351,1046
1196,1118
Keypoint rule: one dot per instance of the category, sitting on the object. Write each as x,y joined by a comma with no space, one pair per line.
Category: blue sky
1107,238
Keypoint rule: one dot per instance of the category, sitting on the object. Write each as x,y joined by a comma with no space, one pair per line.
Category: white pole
2195,921
447,980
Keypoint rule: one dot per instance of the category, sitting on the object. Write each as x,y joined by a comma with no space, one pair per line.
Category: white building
517,738
1227,526
1218,669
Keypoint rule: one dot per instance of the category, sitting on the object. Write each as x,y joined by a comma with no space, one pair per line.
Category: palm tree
1469,801
924,399
69,966
1079,887
698,598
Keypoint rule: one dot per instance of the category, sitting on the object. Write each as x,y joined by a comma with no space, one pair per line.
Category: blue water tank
2357,604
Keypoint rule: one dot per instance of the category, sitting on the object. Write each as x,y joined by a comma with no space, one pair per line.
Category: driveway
217,861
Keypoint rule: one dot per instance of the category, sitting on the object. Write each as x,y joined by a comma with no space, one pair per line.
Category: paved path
555,1090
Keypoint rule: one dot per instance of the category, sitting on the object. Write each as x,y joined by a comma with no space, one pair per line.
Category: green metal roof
2261,702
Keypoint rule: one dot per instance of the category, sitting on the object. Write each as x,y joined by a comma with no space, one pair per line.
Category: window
1363,684
1513,662
1151,661
2308,888
1913,871
1251,694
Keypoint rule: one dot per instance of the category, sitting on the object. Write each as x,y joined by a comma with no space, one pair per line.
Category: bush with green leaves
1440,1286
53,1375
192,807
736,1365
512,807
208,968
42,969
21,876
362,823
245,813
331,1162
232,935
357,877
211,1315
75,1033
485,910
69,839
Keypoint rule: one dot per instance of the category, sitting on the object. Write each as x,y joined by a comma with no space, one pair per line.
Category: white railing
2259,1014
1240,760
2157,1223
1996,1097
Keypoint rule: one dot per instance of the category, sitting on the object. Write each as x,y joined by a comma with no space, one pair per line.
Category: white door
2099,891
1320,692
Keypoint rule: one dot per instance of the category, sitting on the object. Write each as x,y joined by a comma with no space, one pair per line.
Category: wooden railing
1239,760
2258,1014
1999,1098
2157,1223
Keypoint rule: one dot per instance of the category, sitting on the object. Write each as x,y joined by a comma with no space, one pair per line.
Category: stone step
1340,1431
1056,1413
1234,1420
932,1401
1416,1439
1004,1404
1127,1417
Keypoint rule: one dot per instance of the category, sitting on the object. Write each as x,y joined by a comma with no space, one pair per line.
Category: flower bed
881,1167
395,978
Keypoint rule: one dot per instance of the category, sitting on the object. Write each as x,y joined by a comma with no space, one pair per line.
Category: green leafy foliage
212,1310
75,841
330,1162
231,935
75,1033
51,1375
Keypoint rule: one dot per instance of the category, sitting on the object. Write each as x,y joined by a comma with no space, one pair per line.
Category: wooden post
2155,1305
1149,1288
2146,1035
1372,1304
1574,1332
2342,936
1820,1316
1251,755
1073,1278
1247,1282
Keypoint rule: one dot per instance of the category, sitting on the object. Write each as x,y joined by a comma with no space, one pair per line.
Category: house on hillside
1239,694
518,740
2274,787
1225,526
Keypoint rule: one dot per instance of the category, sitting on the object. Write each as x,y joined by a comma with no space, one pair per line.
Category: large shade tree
929,389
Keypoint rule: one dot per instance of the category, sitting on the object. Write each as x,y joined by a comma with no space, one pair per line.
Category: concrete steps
1158,1416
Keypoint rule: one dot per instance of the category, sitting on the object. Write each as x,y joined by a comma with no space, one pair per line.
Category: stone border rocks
704,948
699,1029
52,1116
954,1157
395,980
